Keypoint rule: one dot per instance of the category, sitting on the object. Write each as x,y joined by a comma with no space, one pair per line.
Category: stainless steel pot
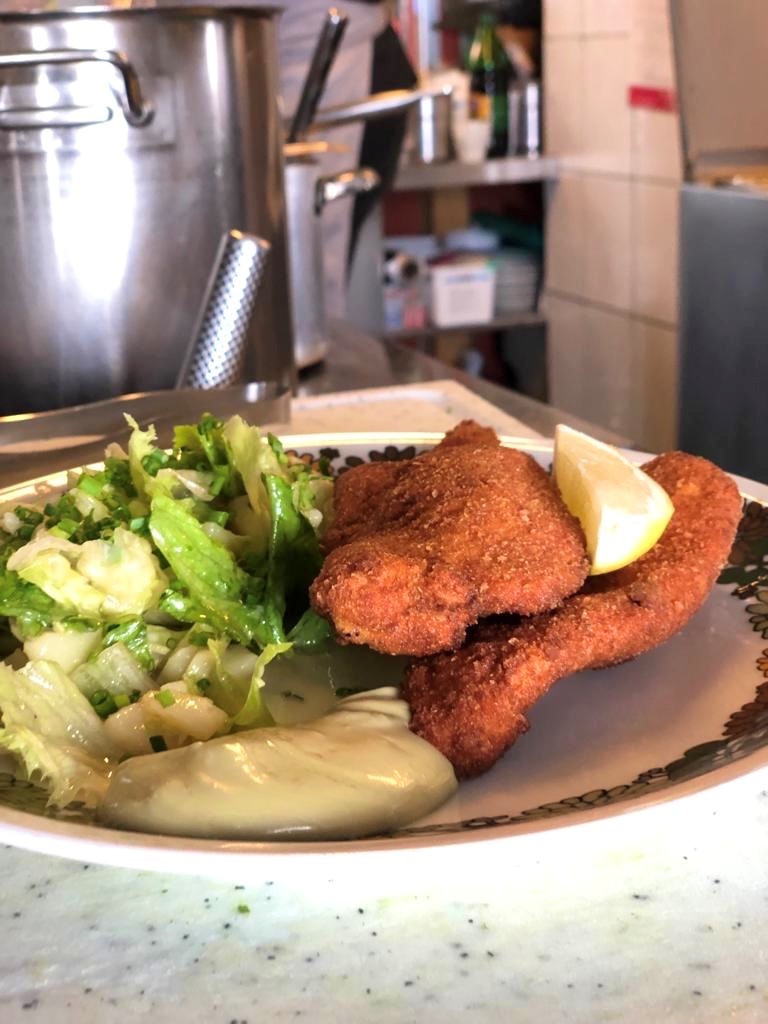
307,192
130,140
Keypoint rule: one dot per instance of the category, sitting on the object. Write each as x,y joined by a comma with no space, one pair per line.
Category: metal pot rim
39,8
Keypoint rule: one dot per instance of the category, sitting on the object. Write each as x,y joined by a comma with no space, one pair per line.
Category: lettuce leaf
217,588
55,733
31,608
114,670
204,446
66,644
141,447
149,644
254,714
311,632
294,557
259,458
51,570
253,458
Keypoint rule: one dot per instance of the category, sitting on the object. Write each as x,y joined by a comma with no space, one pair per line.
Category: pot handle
381,104
347,183
138,112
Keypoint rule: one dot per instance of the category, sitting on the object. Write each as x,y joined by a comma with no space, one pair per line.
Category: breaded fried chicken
420,549
472,704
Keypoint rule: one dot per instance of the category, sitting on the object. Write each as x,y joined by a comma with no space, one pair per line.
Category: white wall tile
606,109
564,99
563,17
606,240
655,251
657,348
564,247
607,16
656,146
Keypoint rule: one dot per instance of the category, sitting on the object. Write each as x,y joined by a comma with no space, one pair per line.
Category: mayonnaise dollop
356,771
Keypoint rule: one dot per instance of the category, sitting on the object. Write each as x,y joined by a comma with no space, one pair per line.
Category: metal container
131,139
307,193
525,118
430,130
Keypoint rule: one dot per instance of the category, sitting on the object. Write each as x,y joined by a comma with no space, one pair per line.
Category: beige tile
563,17
607,16
655,251
606,110
658,350
564,99
610,394
656,147
565,339
565,235
652,50
606,242
593,365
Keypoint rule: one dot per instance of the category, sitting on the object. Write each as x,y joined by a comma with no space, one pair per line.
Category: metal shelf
502,171
499,323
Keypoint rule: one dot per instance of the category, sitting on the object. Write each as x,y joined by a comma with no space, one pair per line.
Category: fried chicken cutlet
422,548
472,704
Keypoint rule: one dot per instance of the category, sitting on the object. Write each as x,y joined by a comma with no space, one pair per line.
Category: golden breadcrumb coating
472,704
420,549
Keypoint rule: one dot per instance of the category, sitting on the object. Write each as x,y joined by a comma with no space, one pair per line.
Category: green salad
140,608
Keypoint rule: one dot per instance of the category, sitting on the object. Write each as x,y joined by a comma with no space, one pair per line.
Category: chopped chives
90,485
165,698
64,528
28,515
103,703
154,462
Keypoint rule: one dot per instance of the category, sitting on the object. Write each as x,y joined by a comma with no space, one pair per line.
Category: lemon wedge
622,511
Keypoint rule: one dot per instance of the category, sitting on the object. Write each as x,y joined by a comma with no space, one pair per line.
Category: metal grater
217,356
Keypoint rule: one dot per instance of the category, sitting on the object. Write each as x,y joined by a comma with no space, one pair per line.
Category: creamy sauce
356,771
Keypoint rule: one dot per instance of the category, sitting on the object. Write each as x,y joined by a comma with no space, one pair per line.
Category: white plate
684,718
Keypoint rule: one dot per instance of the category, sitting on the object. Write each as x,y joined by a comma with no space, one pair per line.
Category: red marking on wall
650,97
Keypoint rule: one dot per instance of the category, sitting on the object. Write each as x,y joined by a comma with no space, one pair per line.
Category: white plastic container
462,293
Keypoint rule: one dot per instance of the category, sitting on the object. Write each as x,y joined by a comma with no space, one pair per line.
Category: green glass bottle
490,76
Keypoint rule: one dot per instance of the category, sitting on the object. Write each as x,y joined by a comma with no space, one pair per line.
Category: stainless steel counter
356,360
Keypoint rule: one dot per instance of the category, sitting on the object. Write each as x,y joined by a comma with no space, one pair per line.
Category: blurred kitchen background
653,330
564,197
601,338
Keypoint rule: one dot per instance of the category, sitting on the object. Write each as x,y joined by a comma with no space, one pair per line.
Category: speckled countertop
658,915
654,915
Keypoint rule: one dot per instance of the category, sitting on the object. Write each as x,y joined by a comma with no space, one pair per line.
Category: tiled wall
611,289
